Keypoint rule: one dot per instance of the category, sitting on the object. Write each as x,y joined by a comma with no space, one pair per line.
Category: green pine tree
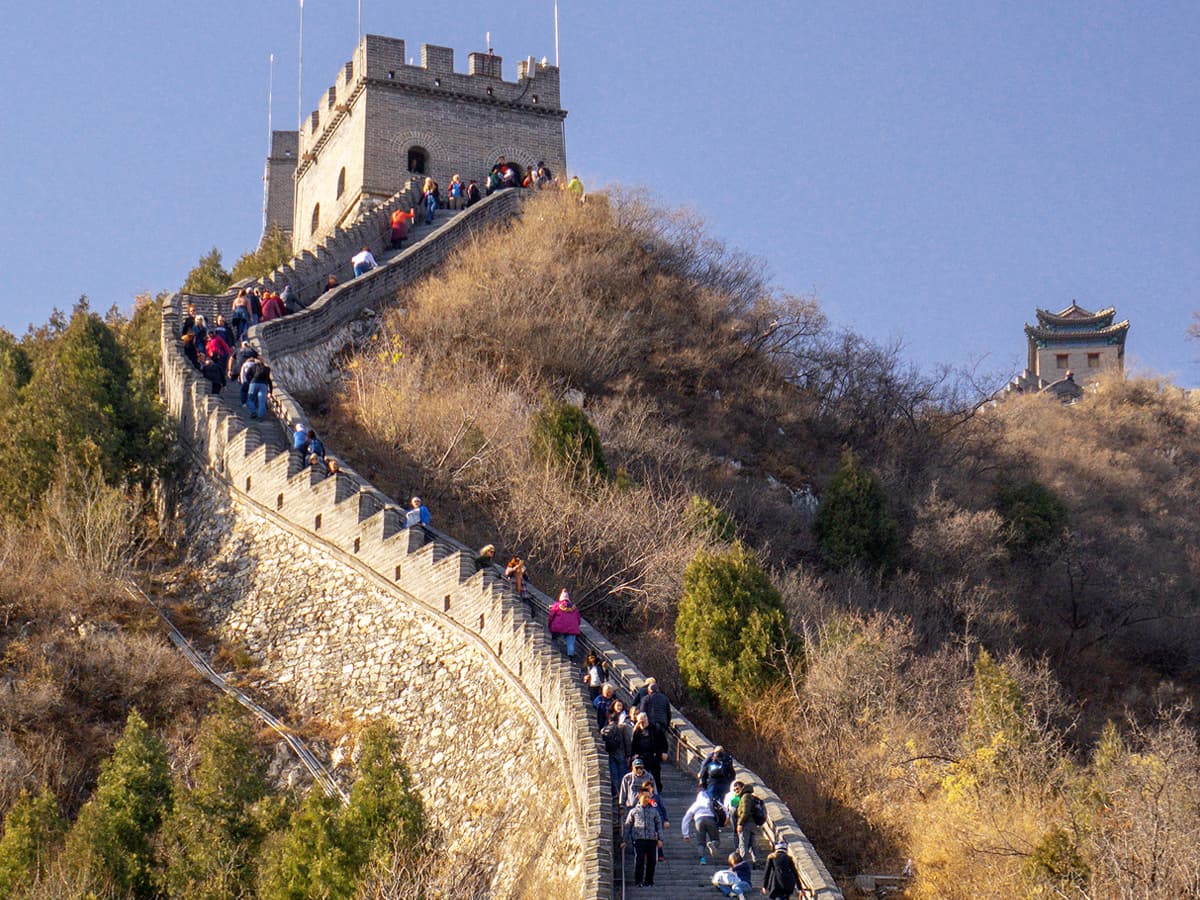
853,525
1035,515
383,811
81,405
730,625
216,828
208,276
707,520
33,829
327,850
274,251
111,844
308,859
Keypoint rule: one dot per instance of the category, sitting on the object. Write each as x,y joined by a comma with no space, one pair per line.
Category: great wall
347,613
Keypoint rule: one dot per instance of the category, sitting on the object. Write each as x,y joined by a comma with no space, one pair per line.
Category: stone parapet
300,347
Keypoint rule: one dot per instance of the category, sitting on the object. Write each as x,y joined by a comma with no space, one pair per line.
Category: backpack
718,811
613,740
758,810
786,877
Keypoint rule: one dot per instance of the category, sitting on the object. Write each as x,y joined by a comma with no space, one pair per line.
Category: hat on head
637,761
781,846
651,680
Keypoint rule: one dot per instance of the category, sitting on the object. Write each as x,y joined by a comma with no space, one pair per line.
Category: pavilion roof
1105,332
1076,317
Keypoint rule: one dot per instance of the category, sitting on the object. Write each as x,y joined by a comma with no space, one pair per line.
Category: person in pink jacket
564,620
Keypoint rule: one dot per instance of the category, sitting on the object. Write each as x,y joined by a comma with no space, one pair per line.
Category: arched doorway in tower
418,160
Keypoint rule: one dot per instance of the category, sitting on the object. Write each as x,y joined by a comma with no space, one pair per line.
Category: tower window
316,218
418,160
1093,360
341,185
1061,359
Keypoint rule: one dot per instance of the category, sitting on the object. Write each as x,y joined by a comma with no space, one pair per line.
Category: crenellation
437,60
486,65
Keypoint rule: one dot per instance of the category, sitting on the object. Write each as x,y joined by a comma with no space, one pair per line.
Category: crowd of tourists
634,736
634,733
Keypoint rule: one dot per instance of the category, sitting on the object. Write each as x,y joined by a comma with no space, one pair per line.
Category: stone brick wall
279,178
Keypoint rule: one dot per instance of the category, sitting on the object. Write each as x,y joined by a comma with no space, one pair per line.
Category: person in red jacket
400,220
564,620
218,350
272,307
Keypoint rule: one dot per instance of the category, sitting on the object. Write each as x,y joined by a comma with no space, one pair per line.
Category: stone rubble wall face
336,643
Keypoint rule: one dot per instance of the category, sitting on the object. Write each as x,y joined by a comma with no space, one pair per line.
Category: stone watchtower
1075,340
1071,347
384,121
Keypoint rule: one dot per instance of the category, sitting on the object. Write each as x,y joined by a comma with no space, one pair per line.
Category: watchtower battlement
383,121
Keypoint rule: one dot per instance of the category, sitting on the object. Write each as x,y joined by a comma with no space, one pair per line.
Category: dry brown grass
77,655
687,362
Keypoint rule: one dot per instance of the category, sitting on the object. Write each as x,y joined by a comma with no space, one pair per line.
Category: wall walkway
351,525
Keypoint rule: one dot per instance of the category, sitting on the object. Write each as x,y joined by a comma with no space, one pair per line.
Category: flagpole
556,34
270,98
300,76
360,21
270,133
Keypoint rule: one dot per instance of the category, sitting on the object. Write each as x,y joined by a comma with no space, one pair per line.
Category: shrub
562,436
707,520
91,523
852,524
730,626
112,840
1036,517
32,829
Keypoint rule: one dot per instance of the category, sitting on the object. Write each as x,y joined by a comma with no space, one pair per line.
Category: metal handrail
319,773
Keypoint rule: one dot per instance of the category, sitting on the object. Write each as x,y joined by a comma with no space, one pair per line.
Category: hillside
123,773
991,662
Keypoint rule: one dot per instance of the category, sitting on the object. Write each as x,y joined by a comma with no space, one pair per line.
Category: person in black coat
650,743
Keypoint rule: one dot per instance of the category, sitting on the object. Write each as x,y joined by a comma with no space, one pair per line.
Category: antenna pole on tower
270,100
556,34
300,76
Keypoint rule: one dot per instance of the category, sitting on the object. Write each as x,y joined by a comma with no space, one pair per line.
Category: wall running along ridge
345,538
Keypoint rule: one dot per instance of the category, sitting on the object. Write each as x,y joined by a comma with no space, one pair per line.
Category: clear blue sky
933,172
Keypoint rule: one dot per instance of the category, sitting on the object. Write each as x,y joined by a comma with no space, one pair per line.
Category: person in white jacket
700,815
